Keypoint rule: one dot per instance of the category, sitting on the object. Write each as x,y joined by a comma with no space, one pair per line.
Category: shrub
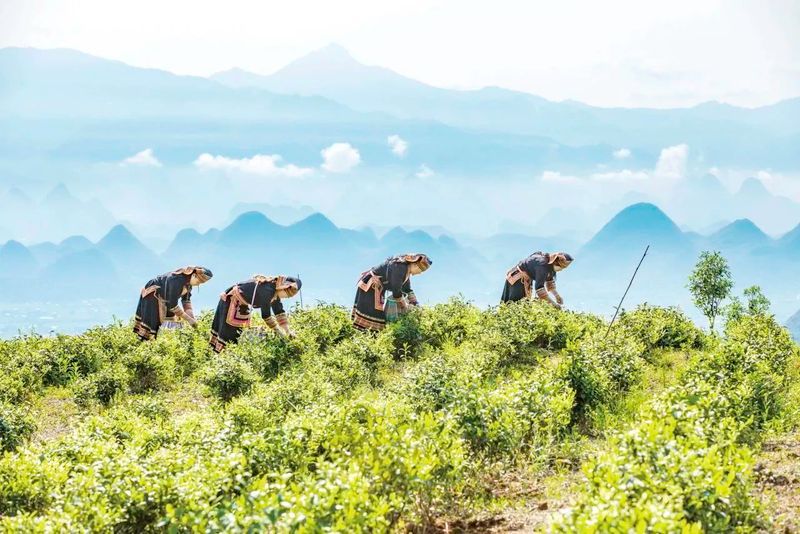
406,335
151,366
454,321
102,386
658,327
16,426
228,376
515,330
658,477
324,325
516,417
268,354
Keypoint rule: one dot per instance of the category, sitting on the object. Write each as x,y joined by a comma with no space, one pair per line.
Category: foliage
16,426
657,327
228,376
710,284
340,430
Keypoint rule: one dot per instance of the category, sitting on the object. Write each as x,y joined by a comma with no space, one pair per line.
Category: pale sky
610,53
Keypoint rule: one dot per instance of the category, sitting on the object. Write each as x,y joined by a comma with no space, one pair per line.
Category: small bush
102,386
151,366
16,426
659,327
228,376
455,321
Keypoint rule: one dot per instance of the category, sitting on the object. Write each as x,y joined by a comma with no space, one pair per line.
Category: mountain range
329,259
72,106
718,130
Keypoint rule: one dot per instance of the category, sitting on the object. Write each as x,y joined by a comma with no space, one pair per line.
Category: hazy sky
627,52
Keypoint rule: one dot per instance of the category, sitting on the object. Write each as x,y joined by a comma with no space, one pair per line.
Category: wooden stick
619,306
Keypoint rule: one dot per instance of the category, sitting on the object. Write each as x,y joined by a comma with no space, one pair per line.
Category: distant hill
94,107
329,259
633,228
740,235
725,133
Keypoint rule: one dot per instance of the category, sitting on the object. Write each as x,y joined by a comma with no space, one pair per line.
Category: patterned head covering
203,275
422,260
559,259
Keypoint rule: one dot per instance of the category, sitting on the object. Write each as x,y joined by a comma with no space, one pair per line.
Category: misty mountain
16,261
280,214
754,201
740,235
329,259
56,216
64,105
131,257
726,134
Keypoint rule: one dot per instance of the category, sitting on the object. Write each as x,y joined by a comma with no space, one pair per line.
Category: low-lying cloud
622,153
672,162
340,158
424,172
145,158
398,145
260,164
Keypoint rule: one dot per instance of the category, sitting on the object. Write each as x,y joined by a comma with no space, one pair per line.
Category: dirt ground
777,473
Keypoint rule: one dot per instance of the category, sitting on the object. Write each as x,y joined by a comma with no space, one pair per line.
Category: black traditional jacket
538,269
394,277
260,296
172,288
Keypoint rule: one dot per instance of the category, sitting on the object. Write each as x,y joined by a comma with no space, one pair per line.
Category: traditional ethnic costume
159,300
236,303
393,275
537,270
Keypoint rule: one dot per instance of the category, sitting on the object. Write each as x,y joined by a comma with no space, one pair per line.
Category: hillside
451,419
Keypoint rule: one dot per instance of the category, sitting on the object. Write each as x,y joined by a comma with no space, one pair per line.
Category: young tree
757,301
710,283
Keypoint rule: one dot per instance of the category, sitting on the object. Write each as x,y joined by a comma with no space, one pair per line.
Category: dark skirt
228,323
368,311
517,286
150,313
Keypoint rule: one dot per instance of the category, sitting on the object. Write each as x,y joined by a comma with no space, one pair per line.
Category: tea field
516,418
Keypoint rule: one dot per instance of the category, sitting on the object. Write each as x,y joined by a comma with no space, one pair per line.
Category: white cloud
145,158
398,145
672,162
622,153
625,175
764,176
261,164
558,178
340,157
424,172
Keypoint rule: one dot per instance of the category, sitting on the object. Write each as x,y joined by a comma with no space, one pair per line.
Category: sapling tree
710,284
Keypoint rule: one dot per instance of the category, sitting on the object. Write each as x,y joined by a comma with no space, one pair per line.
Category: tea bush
102,386
683,466
151,366
16,426
341,430
454,321
228,376
658,327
